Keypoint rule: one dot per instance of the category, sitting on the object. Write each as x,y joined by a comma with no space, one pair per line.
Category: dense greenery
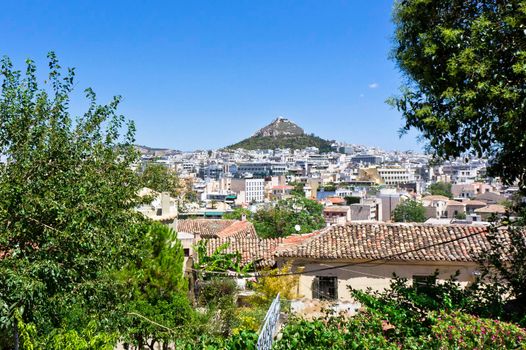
238,214
218,261
274,281
442,316
510,272
160,178
409,211
352,200
370,330
298,189
466,63
67,194
328,187
281,219
440,189
284,141
158,290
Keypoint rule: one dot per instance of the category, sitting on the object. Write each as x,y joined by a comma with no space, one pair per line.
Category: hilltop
282,133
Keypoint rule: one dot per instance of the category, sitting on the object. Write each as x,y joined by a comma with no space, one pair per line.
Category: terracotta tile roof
282,187
336,200
452,202
336,209
215,228
475,203
373,241
490,196
252,249
435,198
492,208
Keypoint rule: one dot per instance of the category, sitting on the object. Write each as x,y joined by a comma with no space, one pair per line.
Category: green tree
219,261
465,64
161,179
352,200
237,214
158,306
409,211
298,189
509,271
440,189
282,219
67,194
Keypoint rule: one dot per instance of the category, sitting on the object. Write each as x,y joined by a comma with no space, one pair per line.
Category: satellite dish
297,228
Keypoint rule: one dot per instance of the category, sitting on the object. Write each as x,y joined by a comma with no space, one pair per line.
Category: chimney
165,203
244,217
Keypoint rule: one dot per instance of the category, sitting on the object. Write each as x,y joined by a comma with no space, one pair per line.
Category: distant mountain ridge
152,151
282,133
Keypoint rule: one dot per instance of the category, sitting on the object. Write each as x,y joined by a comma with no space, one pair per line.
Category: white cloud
373,85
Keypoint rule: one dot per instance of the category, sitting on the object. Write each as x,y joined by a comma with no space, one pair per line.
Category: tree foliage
298,189
505,262
161,179
220,260
440,189
158,289
441,316
237,214
281,219
409,211
352,200
284,141
269,284
465,63
67,194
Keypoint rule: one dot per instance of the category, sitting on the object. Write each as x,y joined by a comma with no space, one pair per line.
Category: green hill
282,133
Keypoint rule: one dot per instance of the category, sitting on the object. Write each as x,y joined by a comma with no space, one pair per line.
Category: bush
269,285
371,330
218,295
463,331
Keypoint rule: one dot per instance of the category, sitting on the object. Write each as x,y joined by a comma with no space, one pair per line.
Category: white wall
378,277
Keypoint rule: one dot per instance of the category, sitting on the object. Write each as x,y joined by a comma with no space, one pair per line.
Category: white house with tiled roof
366,256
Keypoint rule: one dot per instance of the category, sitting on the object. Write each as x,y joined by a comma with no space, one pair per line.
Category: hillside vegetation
292,141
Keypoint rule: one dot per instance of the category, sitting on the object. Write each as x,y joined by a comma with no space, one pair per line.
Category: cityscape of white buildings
355,183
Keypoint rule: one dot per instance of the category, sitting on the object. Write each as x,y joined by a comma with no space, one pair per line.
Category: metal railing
266,335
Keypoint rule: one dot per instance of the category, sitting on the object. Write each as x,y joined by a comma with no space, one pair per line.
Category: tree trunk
15,330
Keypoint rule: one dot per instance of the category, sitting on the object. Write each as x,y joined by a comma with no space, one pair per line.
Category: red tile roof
492,208
396,241
367,241
435,198
283,187
336,200
259,251
215,228
336,209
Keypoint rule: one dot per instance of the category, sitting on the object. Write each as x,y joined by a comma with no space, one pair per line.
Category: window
186,252
325,288
423,282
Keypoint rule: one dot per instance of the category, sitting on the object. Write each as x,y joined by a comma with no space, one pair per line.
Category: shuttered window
325,288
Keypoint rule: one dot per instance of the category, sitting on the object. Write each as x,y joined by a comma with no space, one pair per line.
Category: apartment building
251,190
396,175
262,169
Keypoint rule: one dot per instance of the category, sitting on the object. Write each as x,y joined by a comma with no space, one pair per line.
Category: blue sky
206,73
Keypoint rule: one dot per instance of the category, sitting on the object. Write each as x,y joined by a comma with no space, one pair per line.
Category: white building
395,176
251,190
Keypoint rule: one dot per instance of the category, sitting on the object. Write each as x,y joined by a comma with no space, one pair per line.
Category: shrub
463,331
